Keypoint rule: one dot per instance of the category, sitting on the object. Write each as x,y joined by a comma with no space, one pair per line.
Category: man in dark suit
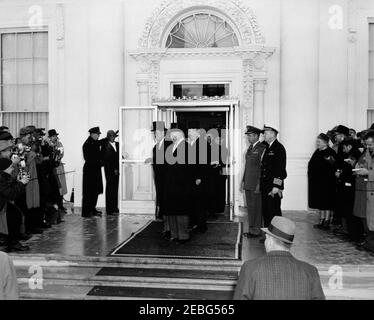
159,164
110,157
177,193
278,275
199,156
251,181
273,173
92,178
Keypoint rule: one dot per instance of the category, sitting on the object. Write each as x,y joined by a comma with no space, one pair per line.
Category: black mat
161,293
222,241
168,273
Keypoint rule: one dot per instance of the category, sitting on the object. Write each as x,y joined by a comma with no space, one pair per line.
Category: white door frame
132,206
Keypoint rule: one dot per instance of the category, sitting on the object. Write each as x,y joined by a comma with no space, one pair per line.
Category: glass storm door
137,192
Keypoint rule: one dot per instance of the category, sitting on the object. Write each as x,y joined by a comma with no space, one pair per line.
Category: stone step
134,282
57,260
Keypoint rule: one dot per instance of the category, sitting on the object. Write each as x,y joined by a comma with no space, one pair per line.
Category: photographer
29,203
11,189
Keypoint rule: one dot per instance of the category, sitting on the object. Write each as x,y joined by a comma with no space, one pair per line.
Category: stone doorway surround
251,51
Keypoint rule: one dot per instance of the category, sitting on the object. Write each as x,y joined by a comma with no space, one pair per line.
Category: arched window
202,30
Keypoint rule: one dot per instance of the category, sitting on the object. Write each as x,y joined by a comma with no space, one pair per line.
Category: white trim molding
170,10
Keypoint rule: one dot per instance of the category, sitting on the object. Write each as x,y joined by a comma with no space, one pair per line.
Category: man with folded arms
278,275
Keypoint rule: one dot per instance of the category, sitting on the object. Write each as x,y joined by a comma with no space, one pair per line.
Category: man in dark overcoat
251,181
159,166
199,160
92,177
177,193
273,174
110,157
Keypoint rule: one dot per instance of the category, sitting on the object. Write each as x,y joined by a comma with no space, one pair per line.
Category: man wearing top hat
177,192
110,156
251,181
92,178
278,275
159,169
273,174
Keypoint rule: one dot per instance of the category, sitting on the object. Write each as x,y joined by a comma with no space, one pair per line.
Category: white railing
15,120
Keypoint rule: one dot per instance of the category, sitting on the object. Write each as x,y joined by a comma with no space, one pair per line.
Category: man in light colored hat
278,275
273,174
251,181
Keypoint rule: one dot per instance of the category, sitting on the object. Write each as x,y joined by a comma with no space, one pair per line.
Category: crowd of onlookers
32,185
341,184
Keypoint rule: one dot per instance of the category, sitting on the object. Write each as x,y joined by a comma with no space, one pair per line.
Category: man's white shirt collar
256,143
113,145
177,144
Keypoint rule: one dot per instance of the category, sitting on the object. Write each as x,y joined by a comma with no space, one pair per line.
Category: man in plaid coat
278,275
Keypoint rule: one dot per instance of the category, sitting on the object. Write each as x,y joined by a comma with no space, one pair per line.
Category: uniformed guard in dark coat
92,178
251,181
199,160
110,157
273,174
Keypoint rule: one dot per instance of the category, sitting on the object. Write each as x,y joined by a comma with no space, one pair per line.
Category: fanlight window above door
202,30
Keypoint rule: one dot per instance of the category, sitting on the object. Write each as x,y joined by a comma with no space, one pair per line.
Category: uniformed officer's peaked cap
271,128
255,130
95,130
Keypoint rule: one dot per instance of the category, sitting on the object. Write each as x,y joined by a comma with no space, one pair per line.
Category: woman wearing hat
321,181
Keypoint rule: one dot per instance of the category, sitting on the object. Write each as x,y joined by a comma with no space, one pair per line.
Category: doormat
222,241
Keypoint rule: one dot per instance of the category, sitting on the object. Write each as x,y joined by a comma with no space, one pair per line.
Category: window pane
24,71
371,94
371,36
202,31
41,97
40,71
8,44
24,96
41,44
9,71
9,98
24,45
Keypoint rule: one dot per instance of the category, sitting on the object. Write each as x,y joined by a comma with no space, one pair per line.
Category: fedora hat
342,130
5,145
251,129
52,133
282,229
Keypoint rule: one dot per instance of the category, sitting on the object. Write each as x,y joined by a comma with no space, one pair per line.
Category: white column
259,102
298,93
143,92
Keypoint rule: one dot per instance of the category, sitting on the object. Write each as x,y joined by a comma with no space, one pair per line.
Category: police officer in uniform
251,181
92,177
273,174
